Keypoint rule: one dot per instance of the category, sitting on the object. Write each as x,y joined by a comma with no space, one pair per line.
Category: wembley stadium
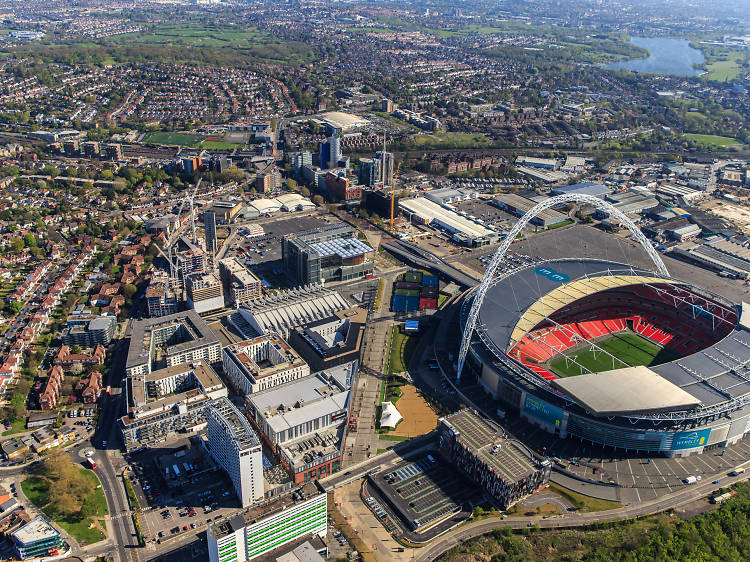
612,354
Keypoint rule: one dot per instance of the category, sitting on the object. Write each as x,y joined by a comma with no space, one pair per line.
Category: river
666,56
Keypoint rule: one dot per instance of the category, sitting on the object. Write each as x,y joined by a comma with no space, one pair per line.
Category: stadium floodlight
497,258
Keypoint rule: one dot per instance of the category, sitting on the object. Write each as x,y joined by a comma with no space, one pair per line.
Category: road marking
635,484
656,466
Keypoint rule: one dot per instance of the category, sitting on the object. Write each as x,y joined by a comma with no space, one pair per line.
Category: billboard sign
542,411
691,439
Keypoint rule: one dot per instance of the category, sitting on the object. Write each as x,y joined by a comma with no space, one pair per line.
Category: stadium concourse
614,355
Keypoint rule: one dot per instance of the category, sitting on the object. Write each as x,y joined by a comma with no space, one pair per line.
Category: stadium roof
567,293
626,391
508,300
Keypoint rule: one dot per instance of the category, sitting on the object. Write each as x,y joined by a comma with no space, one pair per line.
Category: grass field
723,70
583,503
402,346
36,490
451,140
219,145
182,139
714,140
631,348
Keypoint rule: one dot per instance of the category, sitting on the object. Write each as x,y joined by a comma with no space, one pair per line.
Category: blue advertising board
544,412
691,439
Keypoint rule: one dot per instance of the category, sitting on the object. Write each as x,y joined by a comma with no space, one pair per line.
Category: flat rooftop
140,337
485,440
242,432
231,523
625,391
342,247
35,530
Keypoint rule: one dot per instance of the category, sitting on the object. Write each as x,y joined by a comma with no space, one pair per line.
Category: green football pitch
630,348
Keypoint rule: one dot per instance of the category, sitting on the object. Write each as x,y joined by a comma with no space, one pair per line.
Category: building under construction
505,469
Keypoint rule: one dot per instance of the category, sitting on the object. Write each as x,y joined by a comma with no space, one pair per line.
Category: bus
109,390
737,471
91,463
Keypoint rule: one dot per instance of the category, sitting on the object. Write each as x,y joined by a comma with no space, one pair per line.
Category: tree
129,290
16,245
318,200
29,240
305,192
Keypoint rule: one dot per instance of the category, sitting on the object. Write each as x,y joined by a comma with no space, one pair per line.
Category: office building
99,330
262,363
209,224
261,530
168,403
330,151
242,285
341,188
331,253
204,292
304,421
284,311
156,343
37,539
235,447
385,163
369,172
330,341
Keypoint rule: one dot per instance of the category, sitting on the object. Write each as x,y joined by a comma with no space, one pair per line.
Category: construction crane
393,191
192,214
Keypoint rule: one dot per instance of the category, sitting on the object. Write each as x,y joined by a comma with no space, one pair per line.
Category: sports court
419,418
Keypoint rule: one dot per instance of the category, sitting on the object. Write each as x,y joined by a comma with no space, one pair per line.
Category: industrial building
504,468
583,188
330,341
235,447
450,195
284,311
168,402
260,530
204,292
331,253
262,363
687,194
97,331
170,340
304,421
519,206
464,230
631,202
242,284
721,255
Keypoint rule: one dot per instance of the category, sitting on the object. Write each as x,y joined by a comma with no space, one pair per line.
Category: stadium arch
499,255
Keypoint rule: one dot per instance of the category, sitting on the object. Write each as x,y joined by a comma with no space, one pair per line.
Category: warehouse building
583,188
465,231
631,202
262,363
304,422
721,255
504,468
282,312
519,206
451,195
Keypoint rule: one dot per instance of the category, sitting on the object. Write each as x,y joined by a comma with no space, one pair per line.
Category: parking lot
482,209
175,506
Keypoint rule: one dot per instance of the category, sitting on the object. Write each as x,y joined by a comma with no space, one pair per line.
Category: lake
666,56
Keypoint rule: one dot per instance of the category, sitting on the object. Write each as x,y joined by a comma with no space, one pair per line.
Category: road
575,519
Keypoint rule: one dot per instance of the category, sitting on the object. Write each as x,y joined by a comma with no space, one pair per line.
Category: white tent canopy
389,415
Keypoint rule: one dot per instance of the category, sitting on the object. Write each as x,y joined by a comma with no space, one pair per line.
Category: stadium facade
695,395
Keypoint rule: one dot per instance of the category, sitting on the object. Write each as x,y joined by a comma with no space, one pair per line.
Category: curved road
576,519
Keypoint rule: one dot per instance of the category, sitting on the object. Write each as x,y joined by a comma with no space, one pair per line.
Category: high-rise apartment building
369,171
204,292
209,224
236,448
385,162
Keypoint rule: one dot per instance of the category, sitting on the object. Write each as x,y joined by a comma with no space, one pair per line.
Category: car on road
184,527
192,525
